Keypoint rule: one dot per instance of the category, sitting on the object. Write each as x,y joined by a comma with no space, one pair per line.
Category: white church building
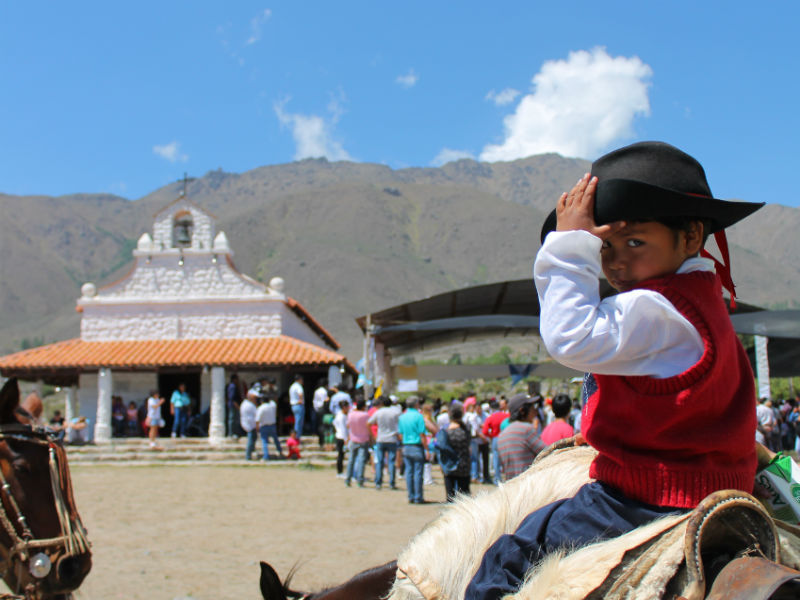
183,314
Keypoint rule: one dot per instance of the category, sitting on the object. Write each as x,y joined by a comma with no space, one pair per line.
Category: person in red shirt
559,429
491,429
294,445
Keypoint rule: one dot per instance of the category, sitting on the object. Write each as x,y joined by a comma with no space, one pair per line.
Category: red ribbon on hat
723,268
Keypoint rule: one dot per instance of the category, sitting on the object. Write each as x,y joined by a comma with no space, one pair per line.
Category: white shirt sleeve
638,332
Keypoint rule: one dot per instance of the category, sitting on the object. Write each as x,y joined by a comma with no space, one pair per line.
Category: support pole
762,366
216,427
368,360
102,428
71,404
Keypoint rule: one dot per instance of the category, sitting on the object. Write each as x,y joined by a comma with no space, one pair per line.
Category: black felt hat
653,180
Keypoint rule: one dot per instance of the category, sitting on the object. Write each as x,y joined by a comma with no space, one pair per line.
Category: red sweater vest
673,441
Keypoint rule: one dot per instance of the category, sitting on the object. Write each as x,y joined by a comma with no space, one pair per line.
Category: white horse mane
442,559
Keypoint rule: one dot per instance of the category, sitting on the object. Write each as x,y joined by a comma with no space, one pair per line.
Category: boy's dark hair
562,404
386,400
360,403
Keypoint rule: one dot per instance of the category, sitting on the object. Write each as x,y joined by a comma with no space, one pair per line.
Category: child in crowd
294,445
670,399
132,419
154,420
559,429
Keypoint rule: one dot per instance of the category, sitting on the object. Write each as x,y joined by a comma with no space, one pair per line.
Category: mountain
348,238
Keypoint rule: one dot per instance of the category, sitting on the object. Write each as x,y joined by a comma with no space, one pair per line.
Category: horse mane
442,559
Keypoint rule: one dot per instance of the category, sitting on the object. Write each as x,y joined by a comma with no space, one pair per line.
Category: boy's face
641,251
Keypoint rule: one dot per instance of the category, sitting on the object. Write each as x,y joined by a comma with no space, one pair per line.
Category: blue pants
181,417
251,443
596,512
414,460
475,460
496,462
299,412
357,462
267,432
384,450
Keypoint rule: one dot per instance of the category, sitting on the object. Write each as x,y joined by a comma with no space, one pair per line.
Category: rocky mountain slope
348,238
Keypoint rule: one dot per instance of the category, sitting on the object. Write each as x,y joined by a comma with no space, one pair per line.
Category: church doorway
169,382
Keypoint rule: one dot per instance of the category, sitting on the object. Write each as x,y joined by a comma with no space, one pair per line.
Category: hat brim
631,200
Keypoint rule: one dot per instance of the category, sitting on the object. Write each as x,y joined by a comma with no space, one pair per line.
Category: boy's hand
575,210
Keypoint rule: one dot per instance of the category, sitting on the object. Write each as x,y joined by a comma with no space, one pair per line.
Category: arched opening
182,229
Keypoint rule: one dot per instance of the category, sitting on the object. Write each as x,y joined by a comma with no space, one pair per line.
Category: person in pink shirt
559,429
360,440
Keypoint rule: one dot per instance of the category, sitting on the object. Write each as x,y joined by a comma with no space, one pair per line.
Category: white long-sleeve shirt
638,332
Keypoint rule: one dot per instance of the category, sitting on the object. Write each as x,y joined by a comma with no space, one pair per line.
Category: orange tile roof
305,316
148,354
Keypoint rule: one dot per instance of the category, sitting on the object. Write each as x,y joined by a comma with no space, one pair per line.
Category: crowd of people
471,441
779,424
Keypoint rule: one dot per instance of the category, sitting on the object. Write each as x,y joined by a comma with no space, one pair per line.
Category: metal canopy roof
455,316
513,306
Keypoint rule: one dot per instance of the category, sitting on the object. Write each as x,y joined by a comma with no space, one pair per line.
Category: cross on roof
186,179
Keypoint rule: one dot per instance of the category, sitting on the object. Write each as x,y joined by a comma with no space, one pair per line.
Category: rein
73,538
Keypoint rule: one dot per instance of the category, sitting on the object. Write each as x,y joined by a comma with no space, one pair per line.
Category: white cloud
256,25
449,155
503,97
171,152
576,107
408,80
313,134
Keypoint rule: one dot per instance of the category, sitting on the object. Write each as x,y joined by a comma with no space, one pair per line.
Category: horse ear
270,583
9,400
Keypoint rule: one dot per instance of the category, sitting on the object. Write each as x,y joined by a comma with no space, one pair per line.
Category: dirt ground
199,532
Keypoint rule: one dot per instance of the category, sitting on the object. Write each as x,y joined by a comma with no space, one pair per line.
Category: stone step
133,451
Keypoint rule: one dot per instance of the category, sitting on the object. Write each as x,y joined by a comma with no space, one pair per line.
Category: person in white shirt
247,419
298,401
338,398
267,423
340,429
320,398
386,441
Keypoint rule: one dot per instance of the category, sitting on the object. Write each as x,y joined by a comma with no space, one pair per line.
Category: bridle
25,547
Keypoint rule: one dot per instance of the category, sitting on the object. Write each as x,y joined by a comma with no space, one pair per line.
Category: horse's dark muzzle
71,570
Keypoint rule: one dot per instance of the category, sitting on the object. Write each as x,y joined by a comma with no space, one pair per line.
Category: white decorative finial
277,283
221,242
145,243
88,290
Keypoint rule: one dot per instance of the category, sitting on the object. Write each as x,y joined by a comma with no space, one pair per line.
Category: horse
44,550
368,585
727,547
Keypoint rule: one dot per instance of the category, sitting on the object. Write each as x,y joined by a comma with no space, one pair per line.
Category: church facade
183,314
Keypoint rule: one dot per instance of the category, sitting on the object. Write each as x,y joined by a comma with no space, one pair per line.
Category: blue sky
123,98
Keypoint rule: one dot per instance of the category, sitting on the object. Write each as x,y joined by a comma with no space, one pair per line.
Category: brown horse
44,552
371,584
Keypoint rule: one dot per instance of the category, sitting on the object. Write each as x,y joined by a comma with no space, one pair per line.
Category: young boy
670,399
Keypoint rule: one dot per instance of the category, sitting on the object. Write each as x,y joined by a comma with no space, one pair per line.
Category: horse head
44,552
272,588
372,584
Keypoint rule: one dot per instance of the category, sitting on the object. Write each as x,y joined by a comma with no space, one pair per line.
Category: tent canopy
513,307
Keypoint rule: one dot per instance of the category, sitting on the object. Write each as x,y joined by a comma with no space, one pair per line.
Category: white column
102,428
762,366
71,403
216,426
